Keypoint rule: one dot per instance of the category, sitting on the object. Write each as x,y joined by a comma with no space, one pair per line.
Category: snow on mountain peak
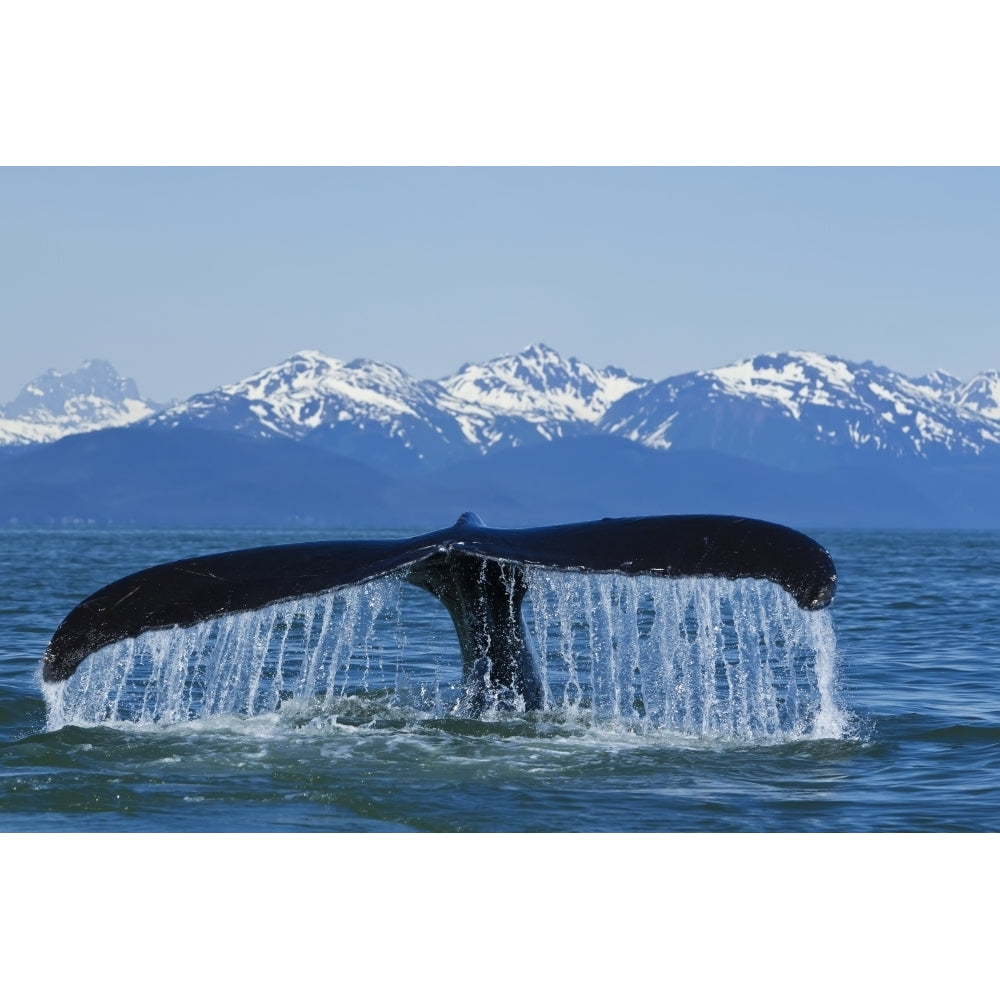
783,405
789,379
794,408
981,394
538,385
299,388
511,400
365,409
55,404
308,391
938,381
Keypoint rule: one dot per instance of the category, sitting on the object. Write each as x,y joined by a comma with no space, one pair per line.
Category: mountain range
806,438
54,405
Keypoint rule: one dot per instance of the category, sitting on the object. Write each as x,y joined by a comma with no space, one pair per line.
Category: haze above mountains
804,438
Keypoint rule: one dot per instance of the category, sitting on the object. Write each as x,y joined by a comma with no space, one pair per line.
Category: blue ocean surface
697,706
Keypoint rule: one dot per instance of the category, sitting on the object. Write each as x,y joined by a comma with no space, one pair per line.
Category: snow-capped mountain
980,394
376,412
92,397
798,437
540,388
364,408
803,410
794,410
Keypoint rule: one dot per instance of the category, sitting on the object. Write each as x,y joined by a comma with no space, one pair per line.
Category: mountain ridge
805,410
55,404
794,436
793,408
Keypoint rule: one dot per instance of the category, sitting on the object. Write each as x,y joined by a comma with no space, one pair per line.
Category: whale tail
477,573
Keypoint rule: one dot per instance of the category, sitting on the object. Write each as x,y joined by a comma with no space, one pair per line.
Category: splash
706,657
712,658
247,663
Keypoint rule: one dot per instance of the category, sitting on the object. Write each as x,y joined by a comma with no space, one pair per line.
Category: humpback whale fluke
477,572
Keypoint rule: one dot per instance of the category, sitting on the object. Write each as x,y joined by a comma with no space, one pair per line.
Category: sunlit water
670,705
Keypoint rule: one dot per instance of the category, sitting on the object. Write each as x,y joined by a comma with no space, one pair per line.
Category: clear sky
187,278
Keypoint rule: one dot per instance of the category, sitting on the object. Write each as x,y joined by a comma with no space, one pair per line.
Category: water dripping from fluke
717,659
730,660
706,627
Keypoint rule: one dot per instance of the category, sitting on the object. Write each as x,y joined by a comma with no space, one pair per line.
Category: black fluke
474,570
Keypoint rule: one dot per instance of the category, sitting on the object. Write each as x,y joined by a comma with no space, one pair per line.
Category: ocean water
697,706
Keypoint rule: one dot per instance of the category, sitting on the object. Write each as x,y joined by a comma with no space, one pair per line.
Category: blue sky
185,278
188,278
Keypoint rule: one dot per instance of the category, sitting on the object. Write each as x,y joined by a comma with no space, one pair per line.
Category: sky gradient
185,279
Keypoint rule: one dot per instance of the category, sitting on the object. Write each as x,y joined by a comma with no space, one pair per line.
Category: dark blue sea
887,720
680,708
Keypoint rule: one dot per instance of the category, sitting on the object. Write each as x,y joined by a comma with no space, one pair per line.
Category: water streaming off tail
337,643
708,657
705,657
